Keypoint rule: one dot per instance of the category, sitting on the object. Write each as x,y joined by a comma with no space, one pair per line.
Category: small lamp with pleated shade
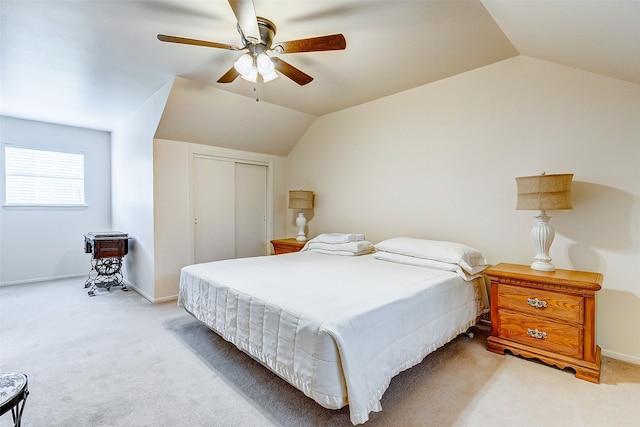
301,200
544,192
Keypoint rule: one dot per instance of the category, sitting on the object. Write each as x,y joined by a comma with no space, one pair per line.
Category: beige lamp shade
300,199
544,192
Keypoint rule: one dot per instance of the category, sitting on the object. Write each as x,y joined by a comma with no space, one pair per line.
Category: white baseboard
621,356
138,290
149,297
166,299
42,279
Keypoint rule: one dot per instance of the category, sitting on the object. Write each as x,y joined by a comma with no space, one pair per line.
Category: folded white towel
333,238
355,247
342,253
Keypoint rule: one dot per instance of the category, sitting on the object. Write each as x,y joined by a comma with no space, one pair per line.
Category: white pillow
466,257
424,262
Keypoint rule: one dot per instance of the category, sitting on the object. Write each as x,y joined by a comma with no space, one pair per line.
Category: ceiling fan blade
183,40
229,76
292,72
314,44
247,20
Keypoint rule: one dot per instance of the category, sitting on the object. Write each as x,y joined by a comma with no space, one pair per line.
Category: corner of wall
132,187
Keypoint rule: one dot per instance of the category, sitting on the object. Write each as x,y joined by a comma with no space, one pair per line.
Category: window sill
44,207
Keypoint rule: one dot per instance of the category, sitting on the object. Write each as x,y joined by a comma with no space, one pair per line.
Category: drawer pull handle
537,303
535,333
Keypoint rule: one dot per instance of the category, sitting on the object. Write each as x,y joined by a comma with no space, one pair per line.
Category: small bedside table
550,316
285,246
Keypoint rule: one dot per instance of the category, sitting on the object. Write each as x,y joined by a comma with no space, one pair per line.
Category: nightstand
550,316
285,246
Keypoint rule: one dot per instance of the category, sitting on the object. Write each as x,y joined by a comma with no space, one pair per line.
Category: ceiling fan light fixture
264,64
244,64
269,76
251,75
266,68
257,34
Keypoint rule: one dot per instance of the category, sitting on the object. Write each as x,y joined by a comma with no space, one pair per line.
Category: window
43,177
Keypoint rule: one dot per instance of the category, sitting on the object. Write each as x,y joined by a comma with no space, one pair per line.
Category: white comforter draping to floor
337,328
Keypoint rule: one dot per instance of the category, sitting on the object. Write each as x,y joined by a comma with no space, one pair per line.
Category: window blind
43,177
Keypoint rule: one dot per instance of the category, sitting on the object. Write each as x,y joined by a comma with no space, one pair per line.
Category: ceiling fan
256,34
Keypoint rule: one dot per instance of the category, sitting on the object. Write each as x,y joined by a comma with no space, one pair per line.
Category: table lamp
301,200
544,192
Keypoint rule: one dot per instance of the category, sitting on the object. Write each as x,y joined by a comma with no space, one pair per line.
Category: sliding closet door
230,209
251,210
214,209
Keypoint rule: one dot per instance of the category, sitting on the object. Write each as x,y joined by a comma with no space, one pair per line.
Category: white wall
439,162
132,187
173,233
47,243
171,204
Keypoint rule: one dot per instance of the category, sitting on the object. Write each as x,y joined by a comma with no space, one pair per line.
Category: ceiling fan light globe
264,64
251,75
269,76
244,65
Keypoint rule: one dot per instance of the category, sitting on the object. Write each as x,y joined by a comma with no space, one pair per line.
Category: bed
336,327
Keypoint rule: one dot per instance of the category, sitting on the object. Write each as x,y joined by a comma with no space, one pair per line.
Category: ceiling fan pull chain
255,89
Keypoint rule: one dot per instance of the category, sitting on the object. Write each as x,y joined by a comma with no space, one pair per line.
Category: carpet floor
117,360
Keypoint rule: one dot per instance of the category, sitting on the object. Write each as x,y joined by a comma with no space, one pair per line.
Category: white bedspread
337,328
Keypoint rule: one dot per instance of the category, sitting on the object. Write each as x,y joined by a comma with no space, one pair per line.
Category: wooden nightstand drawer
567,308
286,250
547,315
543,334
285,246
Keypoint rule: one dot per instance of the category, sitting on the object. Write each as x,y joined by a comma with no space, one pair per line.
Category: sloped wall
202,114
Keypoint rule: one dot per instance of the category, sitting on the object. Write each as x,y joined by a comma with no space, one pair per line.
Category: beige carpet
117,360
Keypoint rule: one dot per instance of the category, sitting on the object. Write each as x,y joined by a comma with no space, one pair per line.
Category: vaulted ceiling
92,63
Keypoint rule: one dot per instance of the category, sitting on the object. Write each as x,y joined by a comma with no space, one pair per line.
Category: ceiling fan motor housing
267,31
